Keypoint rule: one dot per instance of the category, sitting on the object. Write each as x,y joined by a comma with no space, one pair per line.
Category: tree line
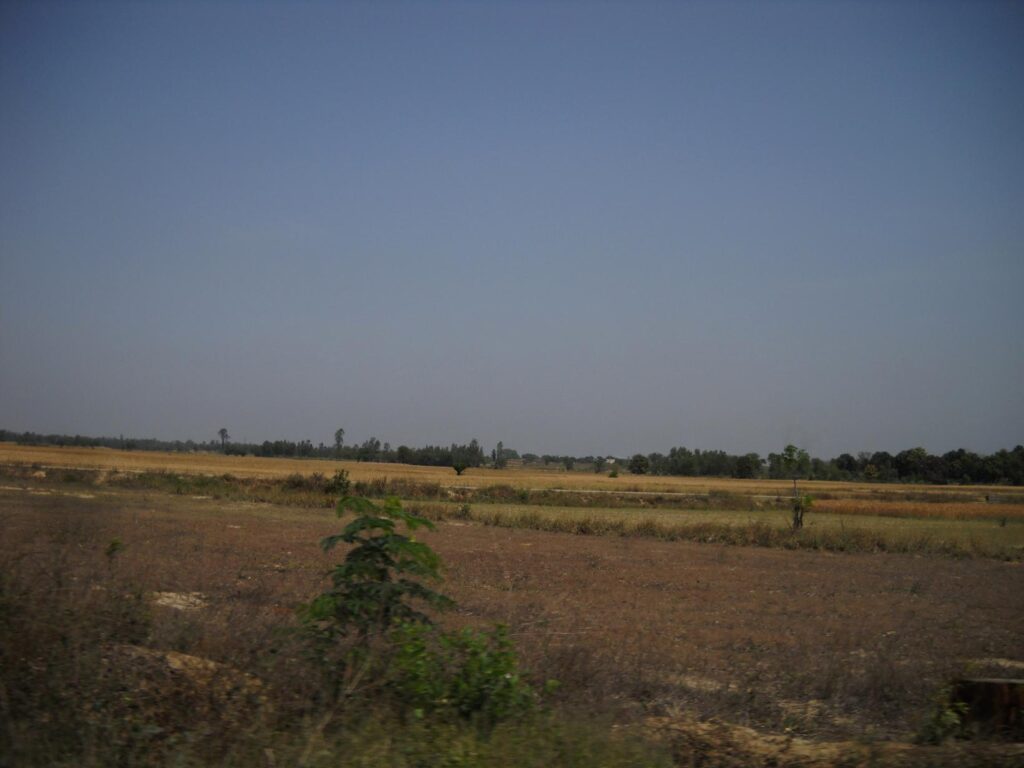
455,455
914,465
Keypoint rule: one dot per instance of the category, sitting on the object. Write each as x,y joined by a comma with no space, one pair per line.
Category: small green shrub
946,720
470,674
801,504
374,588
368,631
339,484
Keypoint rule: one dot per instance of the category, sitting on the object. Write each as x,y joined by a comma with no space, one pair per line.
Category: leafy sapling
379,584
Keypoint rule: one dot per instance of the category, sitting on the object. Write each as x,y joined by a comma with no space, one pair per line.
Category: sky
576,227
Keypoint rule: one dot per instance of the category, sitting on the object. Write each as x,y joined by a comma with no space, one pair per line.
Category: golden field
527,478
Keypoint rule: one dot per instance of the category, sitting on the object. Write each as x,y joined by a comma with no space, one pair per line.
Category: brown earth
814,645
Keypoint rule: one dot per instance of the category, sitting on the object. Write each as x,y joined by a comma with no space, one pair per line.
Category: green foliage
369,632
801,504
339,484
499,457
793,462
946,720
639,464
747,466
375,587
469,674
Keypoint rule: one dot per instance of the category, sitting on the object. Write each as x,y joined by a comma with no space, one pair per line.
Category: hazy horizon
576,228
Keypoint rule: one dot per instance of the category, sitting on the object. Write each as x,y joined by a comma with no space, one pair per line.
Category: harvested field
791,648
823,530
935,521
812,644
528,478
946,510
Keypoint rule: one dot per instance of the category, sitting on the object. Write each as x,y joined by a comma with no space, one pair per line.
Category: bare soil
807,644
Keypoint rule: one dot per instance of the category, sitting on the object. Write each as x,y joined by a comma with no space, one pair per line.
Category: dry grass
930,523
823,530
183,648
530,478
954,510
825,646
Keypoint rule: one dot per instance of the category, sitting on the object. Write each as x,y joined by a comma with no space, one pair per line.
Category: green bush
368,631
946,720
470,674
339,484
375,588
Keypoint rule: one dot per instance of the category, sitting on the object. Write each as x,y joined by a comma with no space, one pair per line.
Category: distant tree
369,450
657,464
911,464
599,463
224,437
639,464
465,456
796,462
882,461
498,456
748,466
846,463
568,462
339,438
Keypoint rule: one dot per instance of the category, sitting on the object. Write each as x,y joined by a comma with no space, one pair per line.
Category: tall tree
796,462
498,456
339,438
224,437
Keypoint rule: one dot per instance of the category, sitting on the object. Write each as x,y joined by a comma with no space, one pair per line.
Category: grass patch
831,533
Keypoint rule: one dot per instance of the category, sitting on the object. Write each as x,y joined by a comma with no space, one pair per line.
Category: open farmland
671,634
526,477
669,639
955,520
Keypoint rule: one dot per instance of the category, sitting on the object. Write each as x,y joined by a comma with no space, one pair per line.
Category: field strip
880,494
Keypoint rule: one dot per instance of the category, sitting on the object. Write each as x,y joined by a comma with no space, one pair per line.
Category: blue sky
574,227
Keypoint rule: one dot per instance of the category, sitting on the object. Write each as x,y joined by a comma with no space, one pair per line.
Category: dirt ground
804,643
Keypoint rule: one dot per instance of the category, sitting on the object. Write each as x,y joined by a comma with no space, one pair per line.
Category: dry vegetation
716,654
530,477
